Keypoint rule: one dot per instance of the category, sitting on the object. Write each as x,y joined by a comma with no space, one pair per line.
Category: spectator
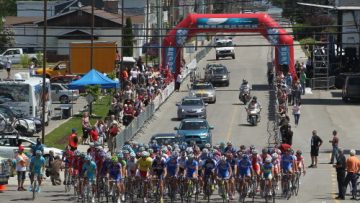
340,173
296,112
37,146
101,129
56,165
296,92
334,143
94,135
32,67
73,140
179,79
113,132
352,167
8,67
134,73
124,74
21,163
316,142
86,127
288,136
303,81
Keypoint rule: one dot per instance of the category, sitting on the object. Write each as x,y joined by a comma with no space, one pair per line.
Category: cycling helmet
114,159
264,151
108,156
175,146
164,150
299,152
274,155
223,158
91,144
254,152
189,150
99,147
158,156
146,146
38,152
205,151
252,147
245,157
254,98
132,154
87,158
77,153
82,155
268,160
151,151
120,155
145,154
191,156
174,154
170,148
141,149
126,151
207,145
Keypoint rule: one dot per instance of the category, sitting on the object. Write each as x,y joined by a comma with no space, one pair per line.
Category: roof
116,18
350,8
20,20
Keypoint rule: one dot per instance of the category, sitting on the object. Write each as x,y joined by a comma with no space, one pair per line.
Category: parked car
9,146
217,73
164,138
195,130
61,92
27,126
191,107
204,90
14,54
60,68
64,79
351,88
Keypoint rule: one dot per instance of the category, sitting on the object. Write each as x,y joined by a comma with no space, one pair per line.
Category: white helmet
274,155
268,160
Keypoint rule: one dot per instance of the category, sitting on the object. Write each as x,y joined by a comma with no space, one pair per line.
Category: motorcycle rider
244,89
254,105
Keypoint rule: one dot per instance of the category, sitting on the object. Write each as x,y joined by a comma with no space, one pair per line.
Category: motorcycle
253,116
244,95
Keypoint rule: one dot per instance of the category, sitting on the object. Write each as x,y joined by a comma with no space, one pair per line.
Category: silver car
61,92
191,107
205,90
9,146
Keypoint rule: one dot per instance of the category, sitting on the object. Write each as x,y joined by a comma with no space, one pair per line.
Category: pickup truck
15,55
224,48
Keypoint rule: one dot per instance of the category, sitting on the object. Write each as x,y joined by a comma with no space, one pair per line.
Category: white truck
15,55
224,48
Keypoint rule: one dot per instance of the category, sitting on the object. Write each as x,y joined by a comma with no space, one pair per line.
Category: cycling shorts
224,177
116,178
256,168
268,176
287,169
143,174
244,173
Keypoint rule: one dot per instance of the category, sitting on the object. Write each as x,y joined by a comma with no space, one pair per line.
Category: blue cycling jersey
209,166
286,162
244,167
191,167
171,165
90,170
223,169
115,171
37,164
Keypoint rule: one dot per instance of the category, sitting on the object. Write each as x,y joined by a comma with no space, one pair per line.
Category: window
354,81
16,52
5,142
26,143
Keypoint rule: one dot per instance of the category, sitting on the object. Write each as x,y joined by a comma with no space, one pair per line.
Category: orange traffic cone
2,188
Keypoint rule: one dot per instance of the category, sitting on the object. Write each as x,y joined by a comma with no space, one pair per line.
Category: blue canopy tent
94,77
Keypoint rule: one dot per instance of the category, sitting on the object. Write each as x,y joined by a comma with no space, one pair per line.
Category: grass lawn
58,137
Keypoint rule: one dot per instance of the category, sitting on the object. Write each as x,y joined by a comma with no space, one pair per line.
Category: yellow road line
234,112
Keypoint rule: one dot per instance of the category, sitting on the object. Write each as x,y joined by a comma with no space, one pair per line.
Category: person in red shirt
94,135
73,140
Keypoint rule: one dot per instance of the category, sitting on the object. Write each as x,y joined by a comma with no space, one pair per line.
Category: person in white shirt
296,112
134,73
8,67
179,79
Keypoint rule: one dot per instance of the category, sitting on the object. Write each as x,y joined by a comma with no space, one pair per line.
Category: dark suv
351,88
217,74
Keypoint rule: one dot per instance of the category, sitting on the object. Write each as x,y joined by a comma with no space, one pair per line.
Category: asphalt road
322,110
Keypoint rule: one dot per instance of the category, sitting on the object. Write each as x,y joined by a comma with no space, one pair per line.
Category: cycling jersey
223,169
191,168
105,167
89,170
264,156
256,162
158,167
267,170
182,162
131,167
299,161
37,163
244,167
287,162
209,166
232,163
69,158
171,166
115,171
144,164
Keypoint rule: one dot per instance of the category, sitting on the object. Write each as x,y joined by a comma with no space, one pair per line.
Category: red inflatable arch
228,23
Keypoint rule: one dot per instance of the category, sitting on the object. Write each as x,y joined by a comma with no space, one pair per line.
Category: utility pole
44,91
159,26
147,32
122,42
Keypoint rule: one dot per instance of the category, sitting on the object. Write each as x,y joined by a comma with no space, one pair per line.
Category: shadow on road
260,87
245,124
174,119
238,104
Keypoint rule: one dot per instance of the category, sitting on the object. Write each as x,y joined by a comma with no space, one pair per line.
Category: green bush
24,61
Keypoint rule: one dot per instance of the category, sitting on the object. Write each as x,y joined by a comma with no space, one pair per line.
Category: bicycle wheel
357,193
297,185
34,188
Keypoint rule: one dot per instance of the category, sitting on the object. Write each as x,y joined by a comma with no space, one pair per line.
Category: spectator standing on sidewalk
86,127
8,67
56,165
296,112
21,164
73,140
316,142
303,81
352,167
179,79
335,143
340,173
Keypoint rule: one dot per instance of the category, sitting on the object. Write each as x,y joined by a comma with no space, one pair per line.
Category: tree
6,37
128,38
7,8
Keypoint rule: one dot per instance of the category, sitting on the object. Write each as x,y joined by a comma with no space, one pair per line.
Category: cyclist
37,166
89,172
115,171
37,146
300,162
123,163
267,171
232,161
265,154
276,164
68,159
181,162
144,165
208,166
244,171
158,171
191,169
224,172
131,165
287,164
256,162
